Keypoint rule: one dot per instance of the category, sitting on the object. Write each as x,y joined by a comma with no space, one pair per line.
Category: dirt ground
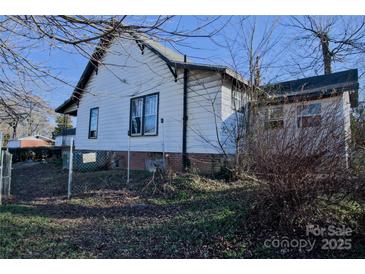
114,220
107,218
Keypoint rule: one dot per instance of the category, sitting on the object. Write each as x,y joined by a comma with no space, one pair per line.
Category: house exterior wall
203,163
329,106
336,105
231,119
132,74
63,140
204,112
335,113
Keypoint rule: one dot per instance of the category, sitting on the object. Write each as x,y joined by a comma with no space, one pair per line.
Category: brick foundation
200,162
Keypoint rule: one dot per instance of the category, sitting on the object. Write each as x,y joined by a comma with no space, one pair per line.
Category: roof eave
315,95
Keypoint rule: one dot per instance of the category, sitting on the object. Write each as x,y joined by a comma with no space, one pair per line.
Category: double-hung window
274,117
309,115
144,115
93,123
236,99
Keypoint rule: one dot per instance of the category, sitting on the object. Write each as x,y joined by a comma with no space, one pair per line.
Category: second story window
144,115
309,115
93,123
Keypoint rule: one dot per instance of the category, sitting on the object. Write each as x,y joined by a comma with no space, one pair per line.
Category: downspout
185,162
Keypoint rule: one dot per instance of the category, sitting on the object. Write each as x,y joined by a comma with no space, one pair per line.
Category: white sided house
147,99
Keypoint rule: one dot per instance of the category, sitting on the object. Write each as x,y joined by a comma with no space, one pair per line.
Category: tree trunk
327,57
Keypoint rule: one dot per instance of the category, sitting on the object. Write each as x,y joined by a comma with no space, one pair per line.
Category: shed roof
316,86
36,137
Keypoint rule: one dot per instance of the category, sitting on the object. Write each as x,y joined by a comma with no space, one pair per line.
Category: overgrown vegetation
302,172
191,217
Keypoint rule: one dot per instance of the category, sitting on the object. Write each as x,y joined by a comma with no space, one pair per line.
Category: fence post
1,166
70,166
9,172
129,156
163,143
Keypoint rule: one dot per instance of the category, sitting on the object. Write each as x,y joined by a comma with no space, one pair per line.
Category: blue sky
278,62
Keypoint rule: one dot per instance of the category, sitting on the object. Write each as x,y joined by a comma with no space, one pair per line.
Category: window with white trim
309,115
144,115
236,99
274,117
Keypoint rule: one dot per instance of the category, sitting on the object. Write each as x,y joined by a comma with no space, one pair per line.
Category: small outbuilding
31,141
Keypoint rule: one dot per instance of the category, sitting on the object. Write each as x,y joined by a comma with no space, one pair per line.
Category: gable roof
173,60
316,87
36,137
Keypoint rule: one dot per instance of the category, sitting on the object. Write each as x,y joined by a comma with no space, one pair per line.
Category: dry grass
200,218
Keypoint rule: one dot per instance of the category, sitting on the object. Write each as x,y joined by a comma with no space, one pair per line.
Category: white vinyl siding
204,112
130,75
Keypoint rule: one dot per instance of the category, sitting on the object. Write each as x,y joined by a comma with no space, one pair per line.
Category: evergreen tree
62,122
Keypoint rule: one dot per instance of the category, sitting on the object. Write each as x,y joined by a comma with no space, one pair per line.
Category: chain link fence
92,171
86,161
102,170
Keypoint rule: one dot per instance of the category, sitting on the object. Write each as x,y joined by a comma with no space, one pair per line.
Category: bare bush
160,182
299,156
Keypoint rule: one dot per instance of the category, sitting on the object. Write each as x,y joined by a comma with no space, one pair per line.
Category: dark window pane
93,126
136,116
136,125
274,124
92,134
309,121
311,109
275,113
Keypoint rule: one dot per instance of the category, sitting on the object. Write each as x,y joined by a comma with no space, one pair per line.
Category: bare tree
25,117
327,39
252,50
87,35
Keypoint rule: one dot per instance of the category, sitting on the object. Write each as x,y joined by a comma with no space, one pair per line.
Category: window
136,116
237,100
93,123
309,115
274,117
150,115
144,115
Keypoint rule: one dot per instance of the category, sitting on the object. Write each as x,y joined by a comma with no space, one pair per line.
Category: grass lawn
200,218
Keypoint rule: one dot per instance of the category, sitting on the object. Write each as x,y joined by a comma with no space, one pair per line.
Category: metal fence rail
100,170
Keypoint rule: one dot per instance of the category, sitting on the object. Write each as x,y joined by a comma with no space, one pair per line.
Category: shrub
34,153
297,168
